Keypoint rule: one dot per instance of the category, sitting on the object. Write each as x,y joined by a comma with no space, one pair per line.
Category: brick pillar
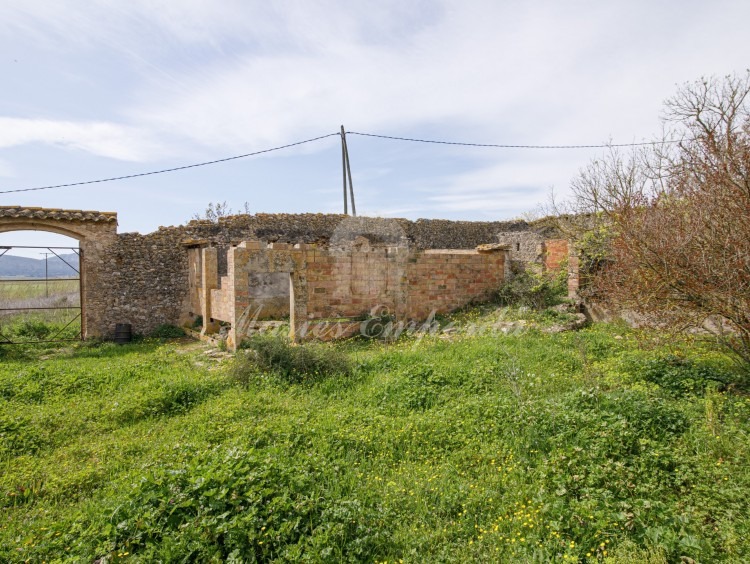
555,253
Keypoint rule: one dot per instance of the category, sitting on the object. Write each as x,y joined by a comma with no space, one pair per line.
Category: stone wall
445,234
148,280
151,276
525,247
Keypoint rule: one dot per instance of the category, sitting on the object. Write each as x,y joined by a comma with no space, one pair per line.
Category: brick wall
441,281
556,253
331,286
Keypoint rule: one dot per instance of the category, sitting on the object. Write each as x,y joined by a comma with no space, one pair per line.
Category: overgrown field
596,445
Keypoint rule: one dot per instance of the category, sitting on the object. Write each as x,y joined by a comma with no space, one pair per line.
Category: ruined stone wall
334,285
262,278
525,247
445,234
153,278
329,284
323,229
148,280
195,281
151,275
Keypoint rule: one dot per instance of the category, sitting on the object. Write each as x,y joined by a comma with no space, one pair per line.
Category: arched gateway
96,232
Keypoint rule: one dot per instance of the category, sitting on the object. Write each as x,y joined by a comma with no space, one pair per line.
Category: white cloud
149,26
209,78
281,71
504,73
517,184
99,138
6,170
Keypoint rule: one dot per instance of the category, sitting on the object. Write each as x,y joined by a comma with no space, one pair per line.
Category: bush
289,363
678,239
167,331
239,506
33,329
537,291
378,326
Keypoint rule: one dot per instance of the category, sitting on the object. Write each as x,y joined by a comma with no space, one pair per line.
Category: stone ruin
316,270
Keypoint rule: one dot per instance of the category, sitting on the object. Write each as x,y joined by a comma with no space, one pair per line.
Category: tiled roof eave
21,212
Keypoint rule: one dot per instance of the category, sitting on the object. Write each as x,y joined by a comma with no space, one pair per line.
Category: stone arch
41,226
95,231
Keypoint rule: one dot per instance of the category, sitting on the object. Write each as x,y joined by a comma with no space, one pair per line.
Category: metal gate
49,309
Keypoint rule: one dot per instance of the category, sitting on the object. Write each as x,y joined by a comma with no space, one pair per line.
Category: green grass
600,445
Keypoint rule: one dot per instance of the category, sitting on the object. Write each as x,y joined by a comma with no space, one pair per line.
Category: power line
390,137
601,146
169,169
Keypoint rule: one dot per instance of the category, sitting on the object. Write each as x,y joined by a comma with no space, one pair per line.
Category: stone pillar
210,276
292,313
298,321
574,272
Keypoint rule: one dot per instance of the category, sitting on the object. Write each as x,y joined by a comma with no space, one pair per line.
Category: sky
99,88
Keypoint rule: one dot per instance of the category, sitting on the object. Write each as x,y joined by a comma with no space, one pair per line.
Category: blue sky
100,88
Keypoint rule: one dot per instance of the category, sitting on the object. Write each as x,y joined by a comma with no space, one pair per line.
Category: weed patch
534,290
679,376
289,363
237,505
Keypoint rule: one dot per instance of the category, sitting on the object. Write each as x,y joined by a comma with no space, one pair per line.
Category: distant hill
24,267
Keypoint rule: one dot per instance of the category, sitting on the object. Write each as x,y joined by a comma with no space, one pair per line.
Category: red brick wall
407,286
556,252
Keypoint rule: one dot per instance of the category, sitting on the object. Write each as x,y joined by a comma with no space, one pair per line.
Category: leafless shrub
677,217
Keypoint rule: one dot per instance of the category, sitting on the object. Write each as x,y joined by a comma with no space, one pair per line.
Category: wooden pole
348,171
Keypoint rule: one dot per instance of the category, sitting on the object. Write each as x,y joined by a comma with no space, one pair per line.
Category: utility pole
347,172
343,166
46,275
